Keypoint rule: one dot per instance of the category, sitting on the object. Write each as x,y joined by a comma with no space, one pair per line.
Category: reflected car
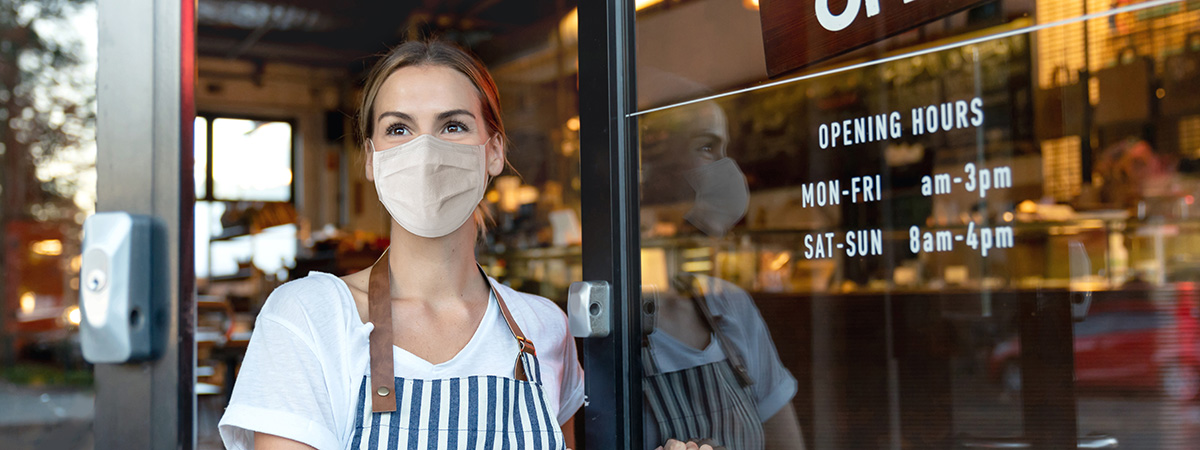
1124,346
50,334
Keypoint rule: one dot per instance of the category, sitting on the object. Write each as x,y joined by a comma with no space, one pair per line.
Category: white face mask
722,196
430,186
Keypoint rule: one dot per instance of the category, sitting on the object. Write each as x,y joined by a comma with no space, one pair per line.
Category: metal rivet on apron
383,391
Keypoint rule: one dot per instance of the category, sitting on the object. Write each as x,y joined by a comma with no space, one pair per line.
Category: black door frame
609,181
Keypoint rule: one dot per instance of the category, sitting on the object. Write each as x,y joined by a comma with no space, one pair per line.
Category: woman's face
677,141
434,100
687,137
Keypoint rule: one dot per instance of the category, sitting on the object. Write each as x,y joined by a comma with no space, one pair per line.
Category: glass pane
252,160
47,189
200,156
208,225
225,247
232,257
990,243
275,250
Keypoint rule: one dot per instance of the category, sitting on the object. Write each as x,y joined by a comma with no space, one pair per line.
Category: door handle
589,305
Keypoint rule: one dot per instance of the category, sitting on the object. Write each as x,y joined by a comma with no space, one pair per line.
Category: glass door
971,230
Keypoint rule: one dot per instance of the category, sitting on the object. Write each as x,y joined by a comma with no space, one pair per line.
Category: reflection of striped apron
711,401
477,412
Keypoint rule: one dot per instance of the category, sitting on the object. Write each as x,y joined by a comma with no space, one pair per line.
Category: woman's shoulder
316,299
728,299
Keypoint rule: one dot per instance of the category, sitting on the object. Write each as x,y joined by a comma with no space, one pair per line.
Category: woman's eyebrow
396,114
455,112
708,135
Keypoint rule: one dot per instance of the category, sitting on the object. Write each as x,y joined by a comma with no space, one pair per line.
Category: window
245,219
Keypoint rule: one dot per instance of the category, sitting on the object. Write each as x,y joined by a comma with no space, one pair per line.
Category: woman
421,350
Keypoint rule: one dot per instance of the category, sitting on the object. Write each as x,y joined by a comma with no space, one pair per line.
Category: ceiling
346,33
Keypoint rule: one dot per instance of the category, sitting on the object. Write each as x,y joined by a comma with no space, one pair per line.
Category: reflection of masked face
722,196
674,143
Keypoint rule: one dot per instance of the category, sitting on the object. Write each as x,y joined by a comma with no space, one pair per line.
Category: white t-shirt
743,325
309,354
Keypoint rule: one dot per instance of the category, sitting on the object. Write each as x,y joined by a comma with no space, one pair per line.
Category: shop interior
280,186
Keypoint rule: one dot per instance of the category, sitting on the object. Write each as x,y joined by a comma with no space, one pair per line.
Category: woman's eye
397,130
455,127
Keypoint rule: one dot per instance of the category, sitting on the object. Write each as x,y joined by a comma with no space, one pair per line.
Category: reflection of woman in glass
712,374
422,349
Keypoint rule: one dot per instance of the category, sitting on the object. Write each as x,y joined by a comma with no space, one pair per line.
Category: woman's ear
495,155
368,148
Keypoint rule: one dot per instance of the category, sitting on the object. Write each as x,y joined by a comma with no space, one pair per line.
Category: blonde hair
435,53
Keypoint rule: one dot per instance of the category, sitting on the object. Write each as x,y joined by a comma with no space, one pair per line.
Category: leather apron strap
379,309
526,345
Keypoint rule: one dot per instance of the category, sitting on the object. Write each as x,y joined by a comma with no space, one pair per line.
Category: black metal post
608,170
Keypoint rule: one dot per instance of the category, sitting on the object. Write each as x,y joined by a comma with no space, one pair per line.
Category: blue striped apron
476,412
711,402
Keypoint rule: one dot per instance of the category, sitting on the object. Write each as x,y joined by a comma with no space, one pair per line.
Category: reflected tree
47,137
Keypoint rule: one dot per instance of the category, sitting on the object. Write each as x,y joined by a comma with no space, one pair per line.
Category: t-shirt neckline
673,355
409,359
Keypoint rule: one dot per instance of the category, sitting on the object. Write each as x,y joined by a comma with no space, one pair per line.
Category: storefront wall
979,230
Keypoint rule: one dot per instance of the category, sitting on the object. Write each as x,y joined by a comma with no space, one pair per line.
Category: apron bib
477,412
711,401
703,402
